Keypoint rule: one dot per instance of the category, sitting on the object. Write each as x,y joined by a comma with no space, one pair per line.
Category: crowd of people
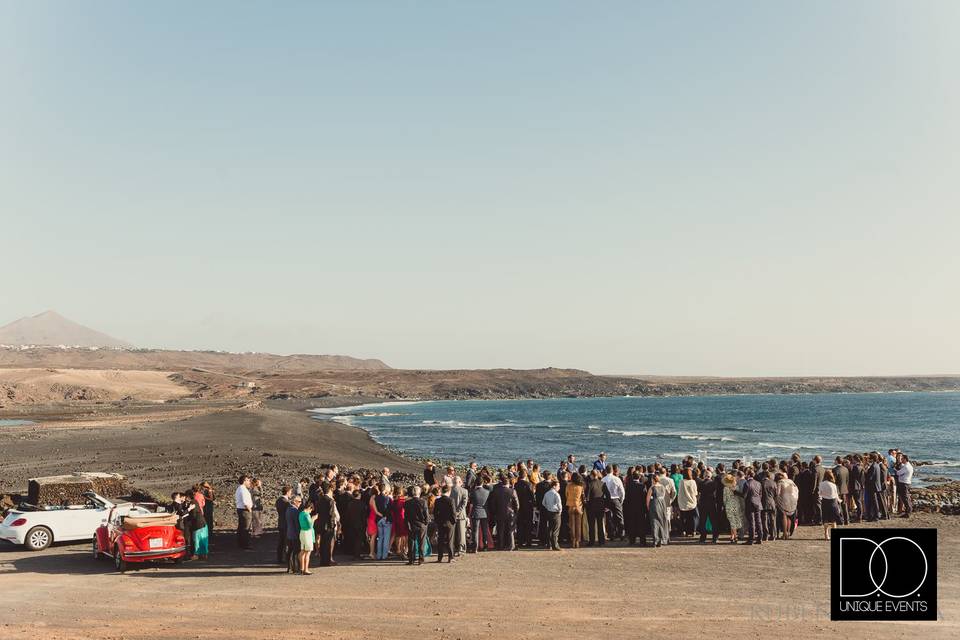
194,509
450,513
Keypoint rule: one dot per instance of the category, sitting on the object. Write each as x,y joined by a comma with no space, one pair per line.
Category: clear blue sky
641,187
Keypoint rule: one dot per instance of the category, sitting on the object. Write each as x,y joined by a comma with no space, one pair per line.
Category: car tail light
19,522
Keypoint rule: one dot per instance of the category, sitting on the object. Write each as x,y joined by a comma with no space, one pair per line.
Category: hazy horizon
664,189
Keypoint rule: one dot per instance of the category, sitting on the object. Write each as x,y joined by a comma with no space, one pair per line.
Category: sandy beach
779,588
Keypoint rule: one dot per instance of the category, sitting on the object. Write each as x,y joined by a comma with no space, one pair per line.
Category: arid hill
163,360
51,328
54,376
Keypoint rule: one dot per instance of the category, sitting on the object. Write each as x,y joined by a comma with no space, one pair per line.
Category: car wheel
38,538
96,550
118,560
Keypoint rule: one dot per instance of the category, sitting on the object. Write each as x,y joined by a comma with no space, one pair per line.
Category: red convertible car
133,533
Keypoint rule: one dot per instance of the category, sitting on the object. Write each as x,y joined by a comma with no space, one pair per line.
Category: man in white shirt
904,480
244,502
553,508
615,487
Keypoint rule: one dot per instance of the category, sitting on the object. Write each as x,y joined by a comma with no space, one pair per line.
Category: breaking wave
681,435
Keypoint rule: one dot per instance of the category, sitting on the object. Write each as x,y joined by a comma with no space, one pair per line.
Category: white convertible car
40,527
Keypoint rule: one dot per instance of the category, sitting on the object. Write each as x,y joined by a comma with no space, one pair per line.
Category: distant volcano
51,328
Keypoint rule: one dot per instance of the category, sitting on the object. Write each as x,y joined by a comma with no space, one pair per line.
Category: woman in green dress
733,505
307,537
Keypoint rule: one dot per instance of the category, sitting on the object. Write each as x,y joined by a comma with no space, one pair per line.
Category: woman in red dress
372,520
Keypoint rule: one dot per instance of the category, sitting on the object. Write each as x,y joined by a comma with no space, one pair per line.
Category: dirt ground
779,589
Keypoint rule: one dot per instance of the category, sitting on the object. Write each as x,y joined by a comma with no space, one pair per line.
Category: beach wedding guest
385,480
244,504
787,495
540,490
179,506
600,463
302,487
197,527
752,492
431,496
471,476
856,485
460,499
616,494
534,469
327,520
886,480
574,504
842,474
479,522
504,504
709,493
429,474
829,503
636,520
670,494
687,498
415,516
256,513
281,506
292,533
526,498
595,496
732,506
209,502
891,483
355,525
804,482
562,480
657,508
306,521
445,519
818,470
905,481
373,517
449,476
398,530
553,507
874,489
382,503
769,513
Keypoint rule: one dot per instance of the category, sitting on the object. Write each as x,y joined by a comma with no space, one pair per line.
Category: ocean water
644,429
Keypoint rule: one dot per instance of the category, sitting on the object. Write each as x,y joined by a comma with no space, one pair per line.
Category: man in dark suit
326,524
478,510
818,472
282,504
841,475
874,489
527,499
856,485
595,495
769,514
707,489
753,508
445,517
541,490
416,517
505,505
804,482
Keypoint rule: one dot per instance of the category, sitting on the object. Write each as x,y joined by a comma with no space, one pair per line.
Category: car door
81,523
